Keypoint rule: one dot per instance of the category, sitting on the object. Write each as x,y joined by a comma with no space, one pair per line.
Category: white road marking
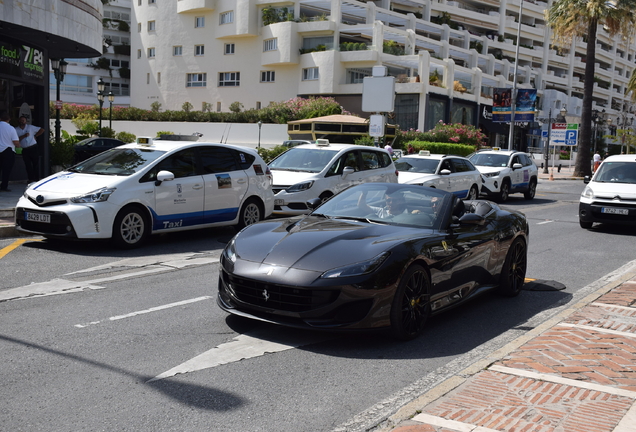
545,222
145,311
244,347
52,287
450,424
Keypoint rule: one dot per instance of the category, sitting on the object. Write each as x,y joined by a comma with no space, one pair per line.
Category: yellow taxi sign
496,148
144,141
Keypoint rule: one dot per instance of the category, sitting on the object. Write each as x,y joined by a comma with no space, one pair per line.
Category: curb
403,418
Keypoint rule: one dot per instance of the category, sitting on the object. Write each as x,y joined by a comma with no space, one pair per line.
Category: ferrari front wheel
411,305
513,273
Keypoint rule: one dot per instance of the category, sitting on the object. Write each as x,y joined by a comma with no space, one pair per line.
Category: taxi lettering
168,224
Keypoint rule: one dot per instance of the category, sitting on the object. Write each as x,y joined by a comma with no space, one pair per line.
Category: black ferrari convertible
375,255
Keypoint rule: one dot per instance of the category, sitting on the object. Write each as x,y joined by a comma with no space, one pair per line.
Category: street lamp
111,99
597,117
546,155
260,123
100,98
59,69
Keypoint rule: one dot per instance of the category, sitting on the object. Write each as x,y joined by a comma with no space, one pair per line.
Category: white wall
233,133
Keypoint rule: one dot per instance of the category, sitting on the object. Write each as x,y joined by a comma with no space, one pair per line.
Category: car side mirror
471,219
517,166
445,172
586,179
347,171
313,203
163,176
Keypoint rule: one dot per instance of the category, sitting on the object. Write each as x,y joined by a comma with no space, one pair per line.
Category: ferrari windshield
616,172
417,165
389,203
303,160
118,161
489,159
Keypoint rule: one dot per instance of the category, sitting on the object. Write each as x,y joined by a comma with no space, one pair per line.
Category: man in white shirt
597,161
8,142
27,135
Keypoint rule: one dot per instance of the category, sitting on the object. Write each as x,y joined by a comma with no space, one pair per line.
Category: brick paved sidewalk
577,375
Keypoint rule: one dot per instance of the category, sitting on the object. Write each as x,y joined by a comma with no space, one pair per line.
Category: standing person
27,135
410,149
8,143
597,161
388,148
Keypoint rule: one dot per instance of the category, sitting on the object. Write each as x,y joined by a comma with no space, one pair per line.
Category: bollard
541,165
559,170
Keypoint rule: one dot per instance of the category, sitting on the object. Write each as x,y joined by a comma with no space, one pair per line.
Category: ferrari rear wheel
513,273
411,305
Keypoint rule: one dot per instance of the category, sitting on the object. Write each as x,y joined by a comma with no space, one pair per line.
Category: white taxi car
610,196
321,170
506,172
454,174
152,186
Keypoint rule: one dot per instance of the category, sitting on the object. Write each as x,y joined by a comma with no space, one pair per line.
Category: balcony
187,6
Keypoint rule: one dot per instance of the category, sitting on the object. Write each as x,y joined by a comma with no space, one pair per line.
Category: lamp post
597,117
111,99
100,98
59,69
260,123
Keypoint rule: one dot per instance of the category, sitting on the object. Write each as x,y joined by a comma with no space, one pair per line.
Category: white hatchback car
454,174
321,170
506,172
610,196
152,186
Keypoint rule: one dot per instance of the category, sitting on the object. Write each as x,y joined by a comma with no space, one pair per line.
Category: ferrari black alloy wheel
513,273
411,304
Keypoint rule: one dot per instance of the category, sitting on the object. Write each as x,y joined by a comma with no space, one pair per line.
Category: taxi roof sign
144,141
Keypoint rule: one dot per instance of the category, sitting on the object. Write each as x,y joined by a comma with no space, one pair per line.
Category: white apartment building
79,85
447,56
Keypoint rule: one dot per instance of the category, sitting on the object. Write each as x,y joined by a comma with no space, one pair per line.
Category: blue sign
570,137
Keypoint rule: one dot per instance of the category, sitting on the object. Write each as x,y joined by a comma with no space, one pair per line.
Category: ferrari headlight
357,269
299,187
230,251
492,174
98,195
588,193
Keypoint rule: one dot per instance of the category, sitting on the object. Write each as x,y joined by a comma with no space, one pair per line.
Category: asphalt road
133,340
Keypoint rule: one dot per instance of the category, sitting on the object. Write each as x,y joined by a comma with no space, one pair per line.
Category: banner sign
22,61
524,105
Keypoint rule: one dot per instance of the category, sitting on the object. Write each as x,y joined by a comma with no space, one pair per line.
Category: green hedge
443,148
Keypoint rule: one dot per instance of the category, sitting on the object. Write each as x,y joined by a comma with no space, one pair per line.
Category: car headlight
98,195
357,269
492,174
230,251
299,187
587,193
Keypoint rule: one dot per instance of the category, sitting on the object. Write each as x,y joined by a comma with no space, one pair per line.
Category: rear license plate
279,202
618,211
37,217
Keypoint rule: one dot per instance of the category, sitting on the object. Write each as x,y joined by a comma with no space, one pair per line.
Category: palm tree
570,19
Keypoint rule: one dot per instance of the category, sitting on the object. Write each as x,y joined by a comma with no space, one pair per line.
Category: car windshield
394,204
616,172
417,165
118,162
303,160
489,160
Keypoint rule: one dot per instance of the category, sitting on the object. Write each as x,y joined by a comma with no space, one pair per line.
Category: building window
139,3
152,1
148,78
138,53
226,17
229,79
73,83
258,105
151,26
310,74
270,44
139,27
268,76
229,49
196,80
117,88
158,77
177,50
199,22
151,52
218,107
199,50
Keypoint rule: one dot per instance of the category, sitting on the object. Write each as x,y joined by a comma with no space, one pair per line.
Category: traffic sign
58,104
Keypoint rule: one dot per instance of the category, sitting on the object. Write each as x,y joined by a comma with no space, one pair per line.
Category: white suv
321,170
152,186
610,196
454,174
506,172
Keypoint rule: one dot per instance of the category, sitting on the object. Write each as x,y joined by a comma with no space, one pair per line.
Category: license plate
37,217
279,202
618,211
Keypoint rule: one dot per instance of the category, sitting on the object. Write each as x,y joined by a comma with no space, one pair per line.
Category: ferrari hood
317,244
67,184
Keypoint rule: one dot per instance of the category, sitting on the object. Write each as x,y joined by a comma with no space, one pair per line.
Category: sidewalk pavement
574,373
